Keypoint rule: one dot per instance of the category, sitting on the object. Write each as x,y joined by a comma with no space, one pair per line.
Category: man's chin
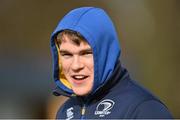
81,92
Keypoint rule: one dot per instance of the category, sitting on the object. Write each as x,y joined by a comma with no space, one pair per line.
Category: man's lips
78,79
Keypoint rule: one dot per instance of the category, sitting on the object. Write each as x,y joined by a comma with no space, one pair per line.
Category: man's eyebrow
64,51
86,50
81,51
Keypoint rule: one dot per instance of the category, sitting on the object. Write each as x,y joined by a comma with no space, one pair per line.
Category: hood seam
76,22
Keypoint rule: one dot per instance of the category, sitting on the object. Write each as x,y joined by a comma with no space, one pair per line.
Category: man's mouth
79,77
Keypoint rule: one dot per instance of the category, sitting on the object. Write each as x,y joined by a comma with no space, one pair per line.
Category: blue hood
97,28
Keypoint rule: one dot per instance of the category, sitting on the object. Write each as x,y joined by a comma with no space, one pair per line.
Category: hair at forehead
76,37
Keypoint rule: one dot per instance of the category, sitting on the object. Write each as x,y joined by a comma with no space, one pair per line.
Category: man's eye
66,55
87,54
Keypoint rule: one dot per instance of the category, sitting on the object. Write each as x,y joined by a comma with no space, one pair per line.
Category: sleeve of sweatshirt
152,109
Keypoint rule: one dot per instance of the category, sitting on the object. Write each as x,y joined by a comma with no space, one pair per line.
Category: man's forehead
71,47
67,38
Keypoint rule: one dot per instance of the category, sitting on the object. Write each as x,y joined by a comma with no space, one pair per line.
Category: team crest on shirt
69,113
104,107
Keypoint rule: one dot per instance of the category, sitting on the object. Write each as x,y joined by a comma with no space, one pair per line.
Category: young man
87,69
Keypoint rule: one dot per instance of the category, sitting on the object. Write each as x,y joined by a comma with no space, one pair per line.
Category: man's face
77,65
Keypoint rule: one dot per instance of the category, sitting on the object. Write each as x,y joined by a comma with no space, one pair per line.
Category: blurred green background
149,32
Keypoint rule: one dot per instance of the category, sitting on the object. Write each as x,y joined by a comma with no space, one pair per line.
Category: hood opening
98,29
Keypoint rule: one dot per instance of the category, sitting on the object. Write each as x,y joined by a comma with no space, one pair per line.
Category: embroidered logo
104,107
69,113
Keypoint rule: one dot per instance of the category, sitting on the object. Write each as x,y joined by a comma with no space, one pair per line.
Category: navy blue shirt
122,98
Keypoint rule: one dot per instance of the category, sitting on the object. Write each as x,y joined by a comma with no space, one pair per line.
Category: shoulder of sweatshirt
151,109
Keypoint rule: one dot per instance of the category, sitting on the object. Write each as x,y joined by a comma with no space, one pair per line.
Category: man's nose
77,64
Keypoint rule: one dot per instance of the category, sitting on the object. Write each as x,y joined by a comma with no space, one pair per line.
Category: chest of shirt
103,109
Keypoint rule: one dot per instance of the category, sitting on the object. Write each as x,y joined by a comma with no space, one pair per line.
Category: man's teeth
79,77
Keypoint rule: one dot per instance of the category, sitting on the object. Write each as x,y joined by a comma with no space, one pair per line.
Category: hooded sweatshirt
114,95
